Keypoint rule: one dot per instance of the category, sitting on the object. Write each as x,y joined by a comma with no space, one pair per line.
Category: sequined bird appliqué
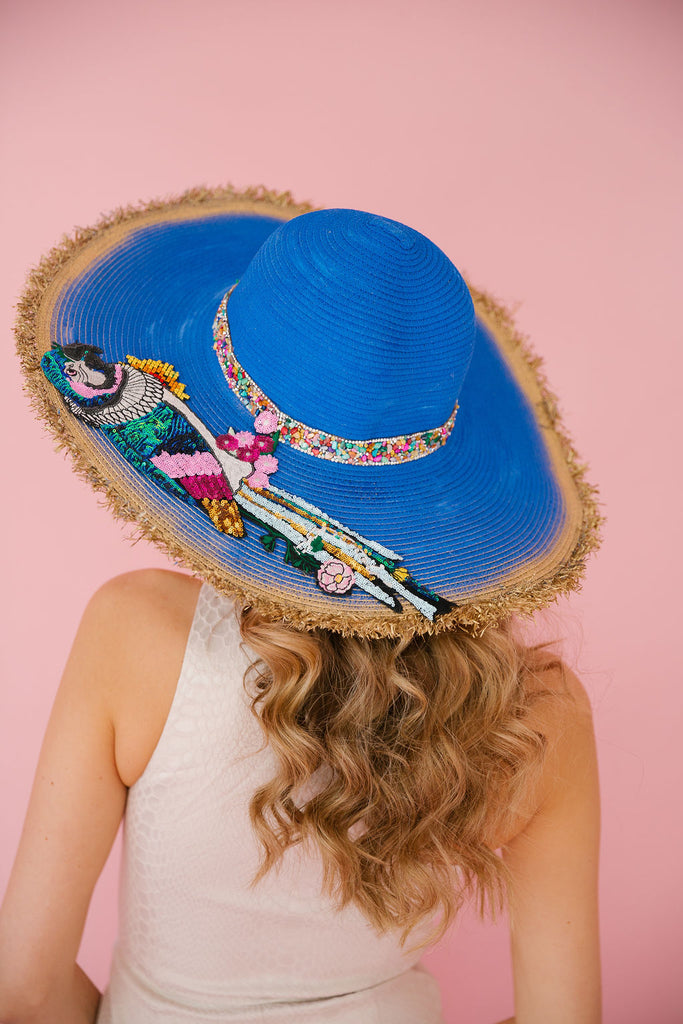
143,409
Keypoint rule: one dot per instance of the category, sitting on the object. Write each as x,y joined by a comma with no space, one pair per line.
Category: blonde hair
427,750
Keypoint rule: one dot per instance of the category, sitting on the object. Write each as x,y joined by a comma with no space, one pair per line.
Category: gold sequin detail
225,515
164,372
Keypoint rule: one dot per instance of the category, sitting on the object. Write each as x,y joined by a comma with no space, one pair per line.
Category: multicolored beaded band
316,442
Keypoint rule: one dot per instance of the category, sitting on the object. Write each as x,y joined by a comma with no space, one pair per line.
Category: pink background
538,144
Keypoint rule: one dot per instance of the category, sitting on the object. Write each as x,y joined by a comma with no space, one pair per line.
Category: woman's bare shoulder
565,716
153,593
560,711
142,620
560,705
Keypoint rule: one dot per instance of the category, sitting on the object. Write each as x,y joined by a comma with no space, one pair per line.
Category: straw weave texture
519,589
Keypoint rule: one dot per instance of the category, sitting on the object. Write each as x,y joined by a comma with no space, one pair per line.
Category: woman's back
195,937
109,719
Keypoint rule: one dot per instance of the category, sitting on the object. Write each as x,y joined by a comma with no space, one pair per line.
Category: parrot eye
70,370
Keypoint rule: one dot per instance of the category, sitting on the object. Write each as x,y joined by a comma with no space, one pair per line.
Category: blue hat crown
354,324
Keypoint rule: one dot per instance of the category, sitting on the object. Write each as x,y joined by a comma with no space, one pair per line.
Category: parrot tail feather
225,515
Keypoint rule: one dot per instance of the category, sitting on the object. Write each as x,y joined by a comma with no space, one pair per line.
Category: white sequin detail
140,394
196,943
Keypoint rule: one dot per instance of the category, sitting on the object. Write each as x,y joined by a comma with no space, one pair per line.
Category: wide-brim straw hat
311,411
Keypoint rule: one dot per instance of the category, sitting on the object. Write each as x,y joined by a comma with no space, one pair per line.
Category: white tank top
196,942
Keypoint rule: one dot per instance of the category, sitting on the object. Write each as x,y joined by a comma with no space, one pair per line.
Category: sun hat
311,410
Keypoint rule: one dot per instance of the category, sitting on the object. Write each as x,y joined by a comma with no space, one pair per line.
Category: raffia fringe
474,617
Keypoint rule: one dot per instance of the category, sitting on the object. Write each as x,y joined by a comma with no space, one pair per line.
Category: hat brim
498,520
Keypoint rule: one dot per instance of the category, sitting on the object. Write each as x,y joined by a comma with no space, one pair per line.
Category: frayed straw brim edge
474,617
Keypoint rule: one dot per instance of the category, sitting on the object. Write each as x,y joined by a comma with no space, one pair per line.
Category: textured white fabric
196,942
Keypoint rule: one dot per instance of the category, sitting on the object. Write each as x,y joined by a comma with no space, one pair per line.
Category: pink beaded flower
335,576
266,464
228,442
265,422
263,467
245,446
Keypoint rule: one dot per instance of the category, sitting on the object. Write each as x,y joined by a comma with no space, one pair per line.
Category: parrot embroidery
142,408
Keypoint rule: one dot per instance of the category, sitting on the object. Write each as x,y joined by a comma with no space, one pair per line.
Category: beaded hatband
377,450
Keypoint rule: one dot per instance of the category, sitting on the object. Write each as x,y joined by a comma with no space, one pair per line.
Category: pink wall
537,143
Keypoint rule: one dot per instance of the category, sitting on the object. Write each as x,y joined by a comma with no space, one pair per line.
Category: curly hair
426,750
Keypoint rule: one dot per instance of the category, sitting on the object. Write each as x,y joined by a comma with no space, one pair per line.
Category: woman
293,843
